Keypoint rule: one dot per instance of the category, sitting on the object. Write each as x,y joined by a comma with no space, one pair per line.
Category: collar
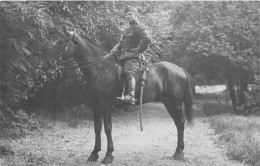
133,22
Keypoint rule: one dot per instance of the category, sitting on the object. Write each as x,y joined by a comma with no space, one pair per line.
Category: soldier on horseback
134,41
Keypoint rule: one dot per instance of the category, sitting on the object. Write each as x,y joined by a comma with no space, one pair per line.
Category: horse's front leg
106,112
97,127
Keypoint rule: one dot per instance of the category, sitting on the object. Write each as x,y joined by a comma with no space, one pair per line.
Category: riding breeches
130,67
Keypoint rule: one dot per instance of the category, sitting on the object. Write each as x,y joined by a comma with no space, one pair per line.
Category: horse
166,82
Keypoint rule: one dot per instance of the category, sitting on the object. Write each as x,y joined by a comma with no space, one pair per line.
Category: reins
96,61
84,64
87,64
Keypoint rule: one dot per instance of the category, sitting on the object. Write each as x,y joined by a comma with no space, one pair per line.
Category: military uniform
132,44
134,41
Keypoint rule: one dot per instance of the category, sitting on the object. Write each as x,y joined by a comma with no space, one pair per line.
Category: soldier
132,44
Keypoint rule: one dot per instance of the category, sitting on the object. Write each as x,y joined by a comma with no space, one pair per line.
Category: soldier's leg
131,67
130,97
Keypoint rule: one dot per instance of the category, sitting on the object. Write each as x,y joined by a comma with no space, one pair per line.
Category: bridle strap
88,64
85,64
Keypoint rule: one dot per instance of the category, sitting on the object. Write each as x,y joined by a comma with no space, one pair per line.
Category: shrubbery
16,123
252,104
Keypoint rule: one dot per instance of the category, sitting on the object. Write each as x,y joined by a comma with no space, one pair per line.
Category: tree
209,39
225,35
32,39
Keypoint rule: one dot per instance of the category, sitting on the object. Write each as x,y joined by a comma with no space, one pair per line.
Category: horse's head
83,50
80,48
71,47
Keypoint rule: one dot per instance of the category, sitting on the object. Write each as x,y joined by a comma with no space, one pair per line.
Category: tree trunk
2,93
243,88
232,95
193,88
65,96
2,86
237,75
54,93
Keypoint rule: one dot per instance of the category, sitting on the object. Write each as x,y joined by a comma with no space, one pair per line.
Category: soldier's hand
135,50
113,51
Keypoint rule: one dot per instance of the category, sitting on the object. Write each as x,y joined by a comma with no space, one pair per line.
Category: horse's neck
102,70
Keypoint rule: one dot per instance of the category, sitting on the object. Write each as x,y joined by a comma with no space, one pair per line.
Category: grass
216,108
240,134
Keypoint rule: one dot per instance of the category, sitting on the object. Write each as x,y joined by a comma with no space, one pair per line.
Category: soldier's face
123,27
130,17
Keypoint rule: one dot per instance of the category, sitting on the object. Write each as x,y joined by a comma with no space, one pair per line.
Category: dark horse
165,82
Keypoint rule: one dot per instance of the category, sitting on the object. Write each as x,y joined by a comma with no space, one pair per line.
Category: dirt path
154,146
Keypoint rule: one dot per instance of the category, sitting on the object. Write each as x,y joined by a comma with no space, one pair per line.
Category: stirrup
127,100
130,99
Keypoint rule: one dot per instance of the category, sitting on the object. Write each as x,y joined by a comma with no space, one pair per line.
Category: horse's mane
92,42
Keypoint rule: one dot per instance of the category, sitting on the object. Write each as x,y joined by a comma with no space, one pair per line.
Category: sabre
141,99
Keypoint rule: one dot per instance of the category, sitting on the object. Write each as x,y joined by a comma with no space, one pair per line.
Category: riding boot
130,97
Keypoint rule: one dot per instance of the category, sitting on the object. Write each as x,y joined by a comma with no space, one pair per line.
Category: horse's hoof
179,156
108,159
93,158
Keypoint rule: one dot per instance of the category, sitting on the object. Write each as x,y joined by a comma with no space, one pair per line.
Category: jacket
137,38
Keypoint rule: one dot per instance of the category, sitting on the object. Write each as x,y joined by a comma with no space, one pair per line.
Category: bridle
82,64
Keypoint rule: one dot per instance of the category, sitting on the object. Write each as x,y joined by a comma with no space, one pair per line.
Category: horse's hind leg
175,110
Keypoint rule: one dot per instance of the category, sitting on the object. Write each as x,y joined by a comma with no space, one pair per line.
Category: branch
2,115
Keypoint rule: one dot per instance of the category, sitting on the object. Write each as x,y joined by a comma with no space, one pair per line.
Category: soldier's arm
146,38
118,46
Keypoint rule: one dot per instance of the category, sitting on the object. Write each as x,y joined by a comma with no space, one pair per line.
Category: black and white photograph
130,83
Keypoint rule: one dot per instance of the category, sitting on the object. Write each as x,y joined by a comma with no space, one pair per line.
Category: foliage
32,37
238,133
31,40
202,37
215,41
252,105
217,34
17,123
6,150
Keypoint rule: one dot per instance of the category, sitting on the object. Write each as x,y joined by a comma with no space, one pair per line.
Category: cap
130,9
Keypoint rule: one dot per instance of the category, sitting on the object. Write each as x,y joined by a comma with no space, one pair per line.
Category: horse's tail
188,99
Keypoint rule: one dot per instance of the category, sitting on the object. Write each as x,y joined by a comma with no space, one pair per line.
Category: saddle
143,69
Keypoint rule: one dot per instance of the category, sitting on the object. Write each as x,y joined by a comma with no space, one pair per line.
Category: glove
135,50
113,51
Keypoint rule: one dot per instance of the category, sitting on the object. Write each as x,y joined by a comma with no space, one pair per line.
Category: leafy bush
216,108
252,105
17,123
6,150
